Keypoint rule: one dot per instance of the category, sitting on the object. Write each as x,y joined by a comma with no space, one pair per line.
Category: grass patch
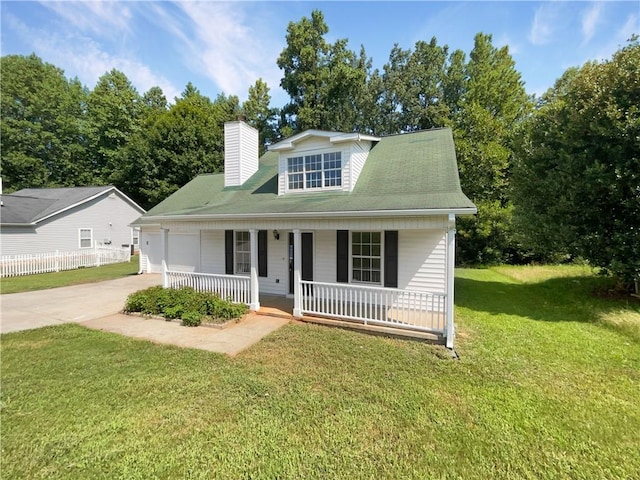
43,281
544,388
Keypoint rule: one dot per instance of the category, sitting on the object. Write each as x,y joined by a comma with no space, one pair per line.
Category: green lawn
42,281
547,386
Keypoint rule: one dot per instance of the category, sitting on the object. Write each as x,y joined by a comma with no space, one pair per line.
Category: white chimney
240,153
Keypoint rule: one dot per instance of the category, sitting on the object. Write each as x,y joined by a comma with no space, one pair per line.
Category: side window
366,257
86,237
243,252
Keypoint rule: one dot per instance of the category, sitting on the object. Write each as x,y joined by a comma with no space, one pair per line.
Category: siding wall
184,252
421,256
359,154
108,216
240,152
422,260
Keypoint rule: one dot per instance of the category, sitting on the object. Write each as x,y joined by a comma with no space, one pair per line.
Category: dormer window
314,171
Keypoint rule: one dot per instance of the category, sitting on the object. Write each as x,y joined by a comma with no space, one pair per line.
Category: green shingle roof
413,171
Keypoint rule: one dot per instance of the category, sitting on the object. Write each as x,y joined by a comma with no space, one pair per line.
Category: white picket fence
16,265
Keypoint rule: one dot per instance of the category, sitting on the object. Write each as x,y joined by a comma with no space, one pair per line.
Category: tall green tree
414,88
576,181
113,109
259,113
174,145
42,130
491,102
324,81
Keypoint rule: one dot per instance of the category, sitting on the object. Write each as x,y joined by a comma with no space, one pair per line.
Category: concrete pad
230,340
77,303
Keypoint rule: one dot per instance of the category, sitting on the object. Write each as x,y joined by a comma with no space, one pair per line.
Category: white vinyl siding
240,152
108,216
184,252
85,238
422,260
325,259
212,251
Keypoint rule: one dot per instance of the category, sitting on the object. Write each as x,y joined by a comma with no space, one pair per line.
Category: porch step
376,329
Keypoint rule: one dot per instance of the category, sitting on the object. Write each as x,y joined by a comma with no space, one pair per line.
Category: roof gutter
344,214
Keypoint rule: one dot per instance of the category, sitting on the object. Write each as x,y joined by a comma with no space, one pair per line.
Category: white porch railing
17,265
235,288
376,306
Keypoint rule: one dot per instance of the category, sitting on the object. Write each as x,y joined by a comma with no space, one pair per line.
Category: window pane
366,258
356,237
375,250
375,237
366,237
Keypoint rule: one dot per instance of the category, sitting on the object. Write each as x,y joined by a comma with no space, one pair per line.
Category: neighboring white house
42,220
353,227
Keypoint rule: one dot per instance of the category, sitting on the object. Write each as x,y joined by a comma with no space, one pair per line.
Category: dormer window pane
314,171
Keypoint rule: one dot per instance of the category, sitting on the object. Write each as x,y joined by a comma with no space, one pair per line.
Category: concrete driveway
96,305
78,303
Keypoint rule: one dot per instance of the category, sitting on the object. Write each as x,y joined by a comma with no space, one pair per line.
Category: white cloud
543,25
226,47
590,20
99,17
85,58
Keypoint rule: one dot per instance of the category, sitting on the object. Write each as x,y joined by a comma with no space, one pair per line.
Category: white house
42,220
353,227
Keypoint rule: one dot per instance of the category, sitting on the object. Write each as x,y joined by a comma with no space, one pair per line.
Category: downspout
451,252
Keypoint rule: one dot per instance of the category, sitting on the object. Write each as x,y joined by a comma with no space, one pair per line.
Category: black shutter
391,258
228,252
342,252
262,253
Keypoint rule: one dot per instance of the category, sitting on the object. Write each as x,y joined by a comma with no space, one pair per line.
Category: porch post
165,255
451,252
255,294
297,265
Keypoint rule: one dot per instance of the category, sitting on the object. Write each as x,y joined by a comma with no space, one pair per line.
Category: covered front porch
306,274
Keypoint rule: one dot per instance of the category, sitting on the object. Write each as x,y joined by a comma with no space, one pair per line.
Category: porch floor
276,306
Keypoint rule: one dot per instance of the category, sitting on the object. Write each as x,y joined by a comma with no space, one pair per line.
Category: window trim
135,239
322,171
80,238
380,257
237,250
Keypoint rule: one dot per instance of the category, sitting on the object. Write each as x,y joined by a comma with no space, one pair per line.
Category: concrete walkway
230,340
97,306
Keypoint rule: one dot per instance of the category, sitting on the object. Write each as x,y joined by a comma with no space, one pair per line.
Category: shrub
173,312
183,303
191,319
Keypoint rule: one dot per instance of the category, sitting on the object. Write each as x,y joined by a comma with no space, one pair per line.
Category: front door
307,258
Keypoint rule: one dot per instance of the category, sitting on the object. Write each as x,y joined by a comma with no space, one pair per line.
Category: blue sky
226,46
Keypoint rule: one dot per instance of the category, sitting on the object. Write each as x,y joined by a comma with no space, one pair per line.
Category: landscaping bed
191,307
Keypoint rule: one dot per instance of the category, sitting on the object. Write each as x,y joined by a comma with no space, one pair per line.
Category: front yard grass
42,281
546,387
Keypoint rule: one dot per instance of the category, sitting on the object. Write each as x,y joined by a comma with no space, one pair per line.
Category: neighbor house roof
413,172
32,205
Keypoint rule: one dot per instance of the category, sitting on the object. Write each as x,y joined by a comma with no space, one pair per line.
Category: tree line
56,132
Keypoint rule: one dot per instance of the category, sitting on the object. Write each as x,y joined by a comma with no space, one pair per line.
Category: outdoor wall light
276,235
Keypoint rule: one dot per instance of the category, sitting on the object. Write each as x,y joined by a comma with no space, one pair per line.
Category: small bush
191,319
183,302
173,312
